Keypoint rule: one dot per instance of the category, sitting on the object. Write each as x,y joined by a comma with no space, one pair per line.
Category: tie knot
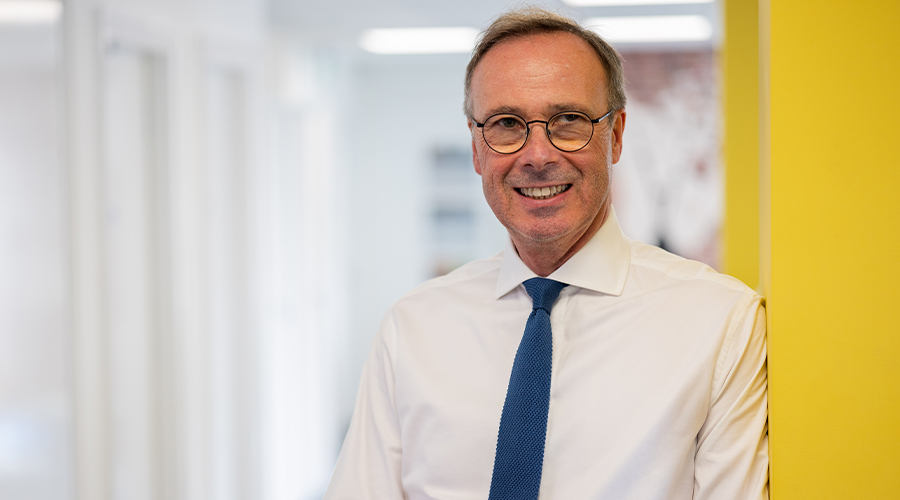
543,292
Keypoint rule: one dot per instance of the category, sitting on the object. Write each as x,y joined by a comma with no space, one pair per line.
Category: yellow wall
831,249
741,142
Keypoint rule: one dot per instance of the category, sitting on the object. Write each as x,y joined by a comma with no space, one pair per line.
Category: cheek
596,165
492,171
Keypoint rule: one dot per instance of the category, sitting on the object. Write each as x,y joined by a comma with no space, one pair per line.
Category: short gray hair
532,21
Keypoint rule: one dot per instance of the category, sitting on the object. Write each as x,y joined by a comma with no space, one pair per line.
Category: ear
617,133
475,162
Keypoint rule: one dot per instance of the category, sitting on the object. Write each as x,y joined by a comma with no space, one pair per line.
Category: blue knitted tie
523,424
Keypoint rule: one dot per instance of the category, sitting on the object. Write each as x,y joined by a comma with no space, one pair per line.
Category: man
639,374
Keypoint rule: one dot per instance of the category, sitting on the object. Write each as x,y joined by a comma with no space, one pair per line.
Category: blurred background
207,206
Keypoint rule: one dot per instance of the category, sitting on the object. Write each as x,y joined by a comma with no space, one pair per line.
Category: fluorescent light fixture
419,40
29,11
616,3
651,29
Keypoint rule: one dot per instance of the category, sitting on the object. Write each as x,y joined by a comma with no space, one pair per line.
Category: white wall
35,414
308,113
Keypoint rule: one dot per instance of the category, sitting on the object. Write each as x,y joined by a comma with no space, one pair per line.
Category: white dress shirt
658,387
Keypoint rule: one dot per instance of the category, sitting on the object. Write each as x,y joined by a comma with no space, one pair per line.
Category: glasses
568,131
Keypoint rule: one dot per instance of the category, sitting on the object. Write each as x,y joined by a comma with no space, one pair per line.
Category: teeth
543,193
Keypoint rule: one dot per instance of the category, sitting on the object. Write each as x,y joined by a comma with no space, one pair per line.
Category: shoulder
654,268
695,299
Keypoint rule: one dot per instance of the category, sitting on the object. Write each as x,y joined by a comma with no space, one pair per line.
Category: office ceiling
341,22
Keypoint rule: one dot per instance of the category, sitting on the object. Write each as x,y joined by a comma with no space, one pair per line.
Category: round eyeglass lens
570,131
505,133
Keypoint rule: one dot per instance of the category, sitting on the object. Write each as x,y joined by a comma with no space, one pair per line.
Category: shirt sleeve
369,463
732,459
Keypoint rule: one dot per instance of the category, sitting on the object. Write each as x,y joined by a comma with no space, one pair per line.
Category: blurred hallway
206,207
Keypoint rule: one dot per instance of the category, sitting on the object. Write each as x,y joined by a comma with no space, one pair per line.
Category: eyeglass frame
546,129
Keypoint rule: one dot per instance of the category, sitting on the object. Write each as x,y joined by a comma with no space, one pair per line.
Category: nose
538,151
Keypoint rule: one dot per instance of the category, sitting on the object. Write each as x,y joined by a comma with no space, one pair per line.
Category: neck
544,257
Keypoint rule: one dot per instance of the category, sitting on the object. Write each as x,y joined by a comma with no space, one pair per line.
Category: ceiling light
29,11
419,40
650,29
609,3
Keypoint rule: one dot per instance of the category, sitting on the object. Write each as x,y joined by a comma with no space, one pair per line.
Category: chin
541,235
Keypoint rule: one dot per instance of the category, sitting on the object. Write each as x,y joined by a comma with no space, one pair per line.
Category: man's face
536,77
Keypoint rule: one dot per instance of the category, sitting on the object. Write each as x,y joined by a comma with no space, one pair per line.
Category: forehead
537,74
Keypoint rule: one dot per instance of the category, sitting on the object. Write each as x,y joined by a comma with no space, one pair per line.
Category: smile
544,192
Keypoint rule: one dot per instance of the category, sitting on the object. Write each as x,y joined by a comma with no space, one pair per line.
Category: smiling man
576,364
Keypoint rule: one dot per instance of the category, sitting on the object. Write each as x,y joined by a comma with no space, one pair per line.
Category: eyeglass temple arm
598,119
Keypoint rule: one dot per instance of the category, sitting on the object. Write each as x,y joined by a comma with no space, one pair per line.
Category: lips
543,193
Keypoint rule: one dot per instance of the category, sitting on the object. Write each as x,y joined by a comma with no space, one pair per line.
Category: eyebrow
568,106
503,110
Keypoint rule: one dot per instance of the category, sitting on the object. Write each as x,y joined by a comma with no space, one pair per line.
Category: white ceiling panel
341,23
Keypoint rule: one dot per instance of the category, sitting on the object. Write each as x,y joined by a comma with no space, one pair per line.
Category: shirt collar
601,265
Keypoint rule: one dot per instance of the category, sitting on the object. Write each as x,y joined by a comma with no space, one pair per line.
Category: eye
508,122
569,118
